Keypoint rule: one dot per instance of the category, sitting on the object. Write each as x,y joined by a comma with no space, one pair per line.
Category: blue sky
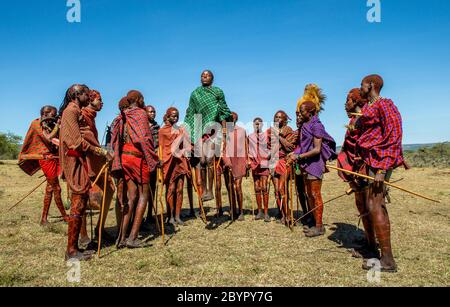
263,52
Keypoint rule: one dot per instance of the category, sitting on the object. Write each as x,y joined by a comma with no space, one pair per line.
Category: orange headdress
314,94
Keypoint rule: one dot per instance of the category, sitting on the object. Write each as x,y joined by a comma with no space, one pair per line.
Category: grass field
241,254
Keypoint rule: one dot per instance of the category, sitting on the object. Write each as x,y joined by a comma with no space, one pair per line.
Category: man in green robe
206,115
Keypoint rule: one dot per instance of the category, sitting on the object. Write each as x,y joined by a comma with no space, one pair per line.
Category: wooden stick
99,174
26,196
296,194
385,182
161,188
230,194
102,212
356,114
155,206
160,179
292,197
199,198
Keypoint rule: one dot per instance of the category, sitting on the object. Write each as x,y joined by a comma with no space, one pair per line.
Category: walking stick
103,211
200,201
230,194
26,196
292,197
99,174
155,207
296,194
160,195
385,182
161,186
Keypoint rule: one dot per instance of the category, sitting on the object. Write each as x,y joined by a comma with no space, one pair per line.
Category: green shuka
210,103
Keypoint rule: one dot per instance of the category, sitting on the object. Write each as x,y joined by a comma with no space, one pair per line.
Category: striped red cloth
34,148
380,144
347,158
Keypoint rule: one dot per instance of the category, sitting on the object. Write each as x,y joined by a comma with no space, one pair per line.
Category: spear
385,182
31,192
160,183
347,193
105,182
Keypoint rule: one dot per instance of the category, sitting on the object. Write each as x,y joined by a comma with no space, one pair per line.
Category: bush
436,156
9,146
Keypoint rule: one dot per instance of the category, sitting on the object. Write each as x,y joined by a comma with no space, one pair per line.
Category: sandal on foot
134,244
79,256
384,268
315,232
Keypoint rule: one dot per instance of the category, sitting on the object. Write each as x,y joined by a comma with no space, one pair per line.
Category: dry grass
243,254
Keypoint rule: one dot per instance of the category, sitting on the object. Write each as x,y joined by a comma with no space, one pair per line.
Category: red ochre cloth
134,166
50,168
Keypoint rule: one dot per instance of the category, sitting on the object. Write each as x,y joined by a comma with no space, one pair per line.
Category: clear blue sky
263,52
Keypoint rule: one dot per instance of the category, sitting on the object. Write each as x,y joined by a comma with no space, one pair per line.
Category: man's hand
249,164
379,181
292,157
109,157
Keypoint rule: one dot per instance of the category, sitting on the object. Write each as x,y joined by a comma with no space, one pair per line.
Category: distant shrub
9,146
436,156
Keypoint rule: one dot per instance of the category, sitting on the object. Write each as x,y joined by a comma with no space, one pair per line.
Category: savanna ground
246,253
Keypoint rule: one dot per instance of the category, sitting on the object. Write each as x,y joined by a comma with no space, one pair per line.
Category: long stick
154,206
99,174
199,197
102,212
386,183
161,186
292,197
231,194
296,194
347,193
31,192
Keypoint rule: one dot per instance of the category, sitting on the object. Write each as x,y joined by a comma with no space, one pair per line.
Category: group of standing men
211,145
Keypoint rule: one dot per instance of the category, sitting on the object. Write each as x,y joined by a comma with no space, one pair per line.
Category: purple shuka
315,166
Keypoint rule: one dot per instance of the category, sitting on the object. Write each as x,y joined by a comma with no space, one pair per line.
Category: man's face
299,120
366,87
173,117
350,105
304,114
151,113
279,119
83,97
207,78
97,104
48,113
257,126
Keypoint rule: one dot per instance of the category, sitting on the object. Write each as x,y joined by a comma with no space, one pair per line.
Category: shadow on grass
346,235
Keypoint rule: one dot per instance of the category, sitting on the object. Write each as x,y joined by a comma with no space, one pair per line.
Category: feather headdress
313,93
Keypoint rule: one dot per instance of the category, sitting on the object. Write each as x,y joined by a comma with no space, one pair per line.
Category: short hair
48,107
377,81
133,96
258,119
123,104
286,117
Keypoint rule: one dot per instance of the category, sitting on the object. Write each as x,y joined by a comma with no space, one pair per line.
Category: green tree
9,146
